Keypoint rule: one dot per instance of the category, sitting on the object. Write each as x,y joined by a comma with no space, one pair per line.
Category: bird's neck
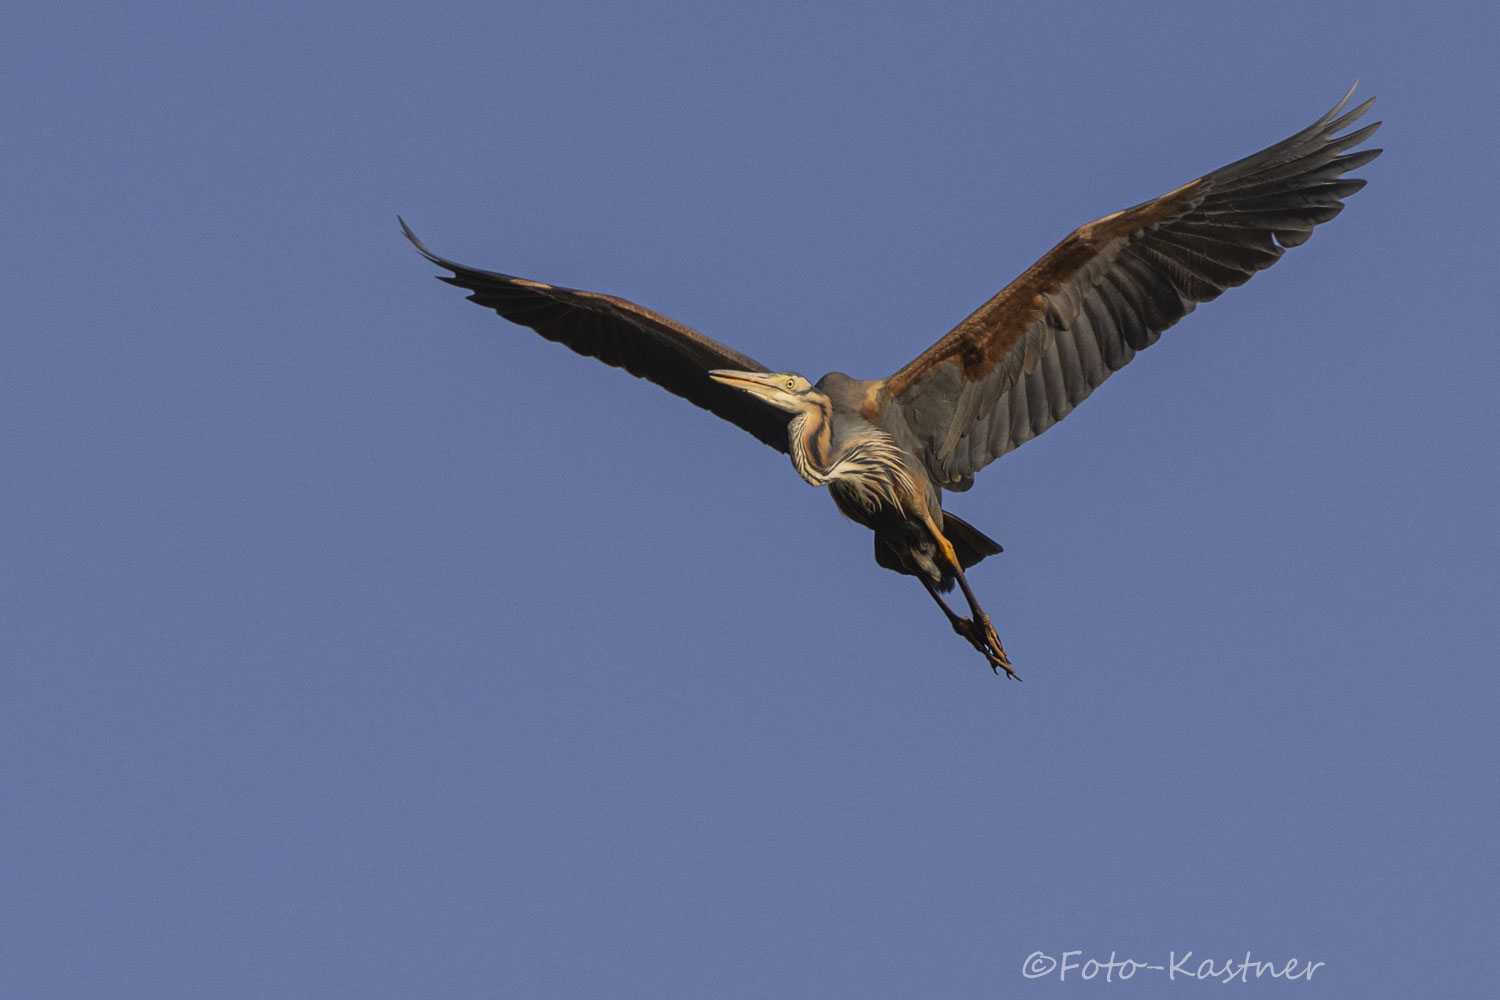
872,468
810,435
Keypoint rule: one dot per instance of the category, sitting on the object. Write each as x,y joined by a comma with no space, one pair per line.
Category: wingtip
421,247
1338,119
406,231
1353,115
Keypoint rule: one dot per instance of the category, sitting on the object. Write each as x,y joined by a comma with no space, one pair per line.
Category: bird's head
784,390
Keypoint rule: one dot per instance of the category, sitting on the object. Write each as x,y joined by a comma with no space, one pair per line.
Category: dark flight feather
1029,355
646,344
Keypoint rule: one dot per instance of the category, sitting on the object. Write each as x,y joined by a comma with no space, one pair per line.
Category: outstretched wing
1026,357
648,345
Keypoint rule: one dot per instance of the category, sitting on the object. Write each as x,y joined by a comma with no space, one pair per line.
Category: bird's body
887,448
840,437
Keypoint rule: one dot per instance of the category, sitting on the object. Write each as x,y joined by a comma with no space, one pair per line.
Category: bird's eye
791,384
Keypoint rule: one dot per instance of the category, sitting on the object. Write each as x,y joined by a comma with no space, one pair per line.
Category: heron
887,448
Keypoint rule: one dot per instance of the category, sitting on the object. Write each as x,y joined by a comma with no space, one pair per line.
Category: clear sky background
356,643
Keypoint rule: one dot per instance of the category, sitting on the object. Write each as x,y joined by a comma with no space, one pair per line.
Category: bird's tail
970,544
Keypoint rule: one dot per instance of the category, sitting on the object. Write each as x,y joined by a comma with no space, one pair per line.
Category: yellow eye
791,385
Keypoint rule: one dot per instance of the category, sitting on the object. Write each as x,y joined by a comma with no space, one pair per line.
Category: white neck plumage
871,470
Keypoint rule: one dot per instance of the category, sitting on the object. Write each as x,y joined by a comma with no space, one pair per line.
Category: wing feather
646,344
1026,357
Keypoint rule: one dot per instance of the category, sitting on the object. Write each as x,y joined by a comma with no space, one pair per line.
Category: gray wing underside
1028,356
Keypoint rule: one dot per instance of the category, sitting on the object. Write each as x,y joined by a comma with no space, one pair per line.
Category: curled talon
982,637
999,661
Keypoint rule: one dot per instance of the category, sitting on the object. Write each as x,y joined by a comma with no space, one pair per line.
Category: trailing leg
981,624
979,632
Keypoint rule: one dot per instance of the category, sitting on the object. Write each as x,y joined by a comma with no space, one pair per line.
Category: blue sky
354,642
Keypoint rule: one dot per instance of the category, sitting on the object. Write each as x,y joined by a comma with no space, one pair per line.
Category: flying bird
888,448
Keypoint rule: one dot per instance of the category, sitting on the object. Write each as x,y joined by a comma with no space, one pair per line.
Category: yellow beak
767,385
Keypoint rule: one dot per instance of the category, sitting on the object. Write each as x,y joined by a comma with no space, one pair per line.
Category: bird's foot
981,635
